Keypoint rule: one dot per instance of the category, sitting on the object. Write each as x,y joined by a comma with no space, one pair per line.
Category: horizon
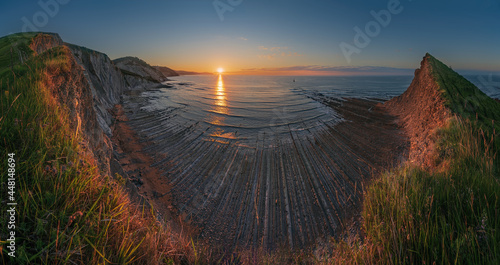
275,38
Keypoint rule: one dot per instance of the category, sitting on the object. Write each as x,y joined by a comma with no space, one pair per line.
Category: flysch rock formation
166,71
421,109
138,73
89,88
105,79
300,191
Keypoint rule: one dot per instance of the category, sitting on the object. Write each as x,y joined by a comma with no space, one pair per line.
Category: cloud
273,56
272,49
243,38
267,56
319,69
274,52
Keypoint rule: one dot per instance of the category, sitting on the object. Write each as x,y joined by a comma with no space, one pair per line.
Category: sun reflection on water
220,106
219,110
220,103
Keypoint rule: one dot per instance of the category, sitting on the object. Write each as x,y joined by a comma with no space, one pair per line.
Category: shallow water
247,108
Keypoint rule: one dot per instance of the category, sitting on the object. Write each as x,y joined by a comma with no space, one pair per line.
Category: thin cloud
336,69
243,38
275,52
272,49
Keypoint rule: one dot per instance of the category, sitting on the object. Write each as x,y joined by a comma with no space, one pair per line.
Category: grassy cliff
446,213
68,209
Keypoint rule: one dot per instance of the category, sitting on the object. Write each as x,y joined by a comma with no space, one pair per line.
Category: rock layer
138,73
292,192
421,109
71,90
166,71
105,79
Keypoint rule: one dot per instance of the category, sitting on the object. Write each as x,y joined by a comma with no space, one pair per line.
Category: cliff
54,105
106,82
89,86
421,109
138,73
70,87
434,96
166,71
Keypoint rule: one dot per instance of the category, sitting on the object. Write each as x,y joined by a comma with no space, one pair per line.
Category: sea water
244,108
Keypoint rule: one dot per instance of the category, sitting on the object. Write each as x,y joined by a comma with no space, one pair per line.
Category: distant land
417,174
171,72
181,72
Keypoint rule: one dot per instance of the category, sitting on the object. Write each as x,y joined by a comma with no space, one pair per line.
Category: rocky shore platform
292,193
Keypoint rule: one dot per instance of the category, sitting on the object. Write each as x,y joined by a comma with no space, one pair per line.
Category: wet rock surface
292,192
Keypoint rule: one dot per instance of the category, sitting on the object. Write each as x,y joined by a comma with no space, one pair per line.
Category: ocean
243,108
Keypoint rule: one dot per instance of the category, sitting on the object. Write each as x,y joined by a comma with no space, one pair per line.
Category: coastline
55,118
354,151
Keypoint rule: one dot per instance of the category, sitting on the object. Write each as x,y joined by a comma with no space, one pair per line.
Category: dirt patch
137,163
42,42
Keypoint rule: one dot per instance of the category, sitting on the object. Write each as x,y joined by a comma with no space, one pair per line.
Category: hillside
75,204
435,94
136,70
59,112
442,206
181,72
166,71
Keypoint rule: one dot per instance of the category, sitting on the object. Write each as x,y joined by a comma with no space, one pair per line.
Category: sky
323,37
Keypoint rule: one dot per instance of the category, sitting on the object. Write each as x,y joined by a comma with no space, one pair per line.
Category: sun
220,70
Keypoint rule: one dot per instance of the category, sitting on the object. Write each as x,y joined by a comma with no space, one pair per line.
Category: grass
67,211
450,215
443,217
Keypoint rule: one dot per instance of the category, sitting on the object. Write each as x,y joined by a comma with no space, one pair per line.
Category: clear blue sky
271,34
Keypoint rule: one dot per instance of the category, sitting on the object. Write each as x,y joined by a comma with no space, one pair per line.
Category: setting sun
220,70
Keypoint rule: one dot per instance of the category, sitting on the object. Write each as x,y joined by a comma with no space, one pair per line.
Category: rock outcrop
89,86
166,71
44,41
138,73
66,80
105,79
421,109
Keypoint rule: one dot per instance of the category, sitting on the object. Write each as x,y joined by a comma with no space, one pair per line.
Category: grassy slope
446,216
411,216
66,211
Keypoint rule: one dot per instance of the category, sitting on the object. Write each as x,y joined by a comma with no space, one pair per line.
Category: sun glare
220,70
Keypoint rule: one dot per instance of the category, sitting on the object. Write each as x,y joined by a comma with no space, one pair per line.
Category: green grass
443,217
12,46
450,215
464,98
67,211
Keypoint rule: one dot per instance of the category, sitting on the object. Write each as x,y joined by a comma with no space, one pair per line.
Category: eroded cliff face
88,85
166,71
65,80
138,73
105,80
422,110
44,41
